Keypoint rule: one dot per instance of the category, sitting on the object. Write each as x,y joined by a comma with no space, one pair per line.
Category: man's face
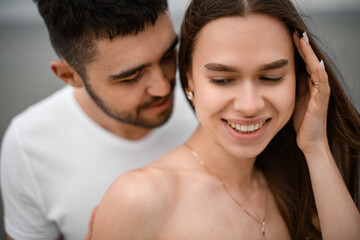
132,77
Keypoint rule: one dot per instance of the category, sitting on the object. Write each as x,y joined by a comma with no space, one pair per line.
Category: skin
230,83
134,104
338,215
172,177
176,197
129,86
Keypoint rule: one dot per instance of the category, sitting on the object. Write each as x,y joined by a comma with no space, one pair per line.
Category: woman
275,128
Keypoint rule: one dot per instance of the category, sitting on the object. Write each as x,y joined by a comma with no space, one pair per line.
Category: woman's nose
248,99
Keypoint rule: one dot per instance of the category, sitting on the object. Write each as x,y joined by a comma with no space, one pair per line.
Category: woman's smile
246,128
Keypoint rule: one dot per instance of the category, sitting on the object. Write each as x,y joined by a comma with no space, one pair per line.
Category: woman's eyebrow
218,67
273,65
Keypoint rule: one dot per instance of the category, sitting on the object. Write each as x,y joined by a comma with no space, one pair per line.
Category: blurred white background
25,51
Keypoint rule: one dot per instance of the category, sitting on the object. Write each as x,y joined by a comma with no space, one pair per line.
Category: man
60,155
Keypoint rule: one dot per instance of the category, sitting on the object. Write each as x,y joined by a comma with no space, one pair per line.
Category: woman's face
243,78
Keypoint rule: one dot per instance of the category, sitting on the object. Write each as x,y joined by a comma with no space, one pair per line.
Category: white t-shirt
56,164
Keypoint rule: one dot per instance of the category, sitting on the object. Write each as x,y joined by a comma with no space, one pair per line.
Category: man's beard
133,117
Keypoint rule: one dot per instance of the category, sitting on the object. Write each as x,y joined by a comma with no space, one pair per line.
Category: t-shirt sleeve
24,214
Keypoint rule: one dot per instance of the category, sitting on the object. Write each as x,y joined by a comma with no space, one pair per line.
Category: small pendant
263,228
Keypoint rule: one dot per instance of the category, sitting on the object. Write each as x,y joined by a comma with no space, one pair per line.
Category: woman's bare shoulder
131,188
149,182
136,200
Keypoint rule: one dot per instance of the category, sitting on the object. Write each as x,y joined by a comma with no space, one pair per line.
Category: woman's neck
232,169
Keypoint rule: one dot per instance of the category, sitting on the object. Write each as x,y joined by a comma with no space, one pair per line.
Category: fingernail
322,65
305,36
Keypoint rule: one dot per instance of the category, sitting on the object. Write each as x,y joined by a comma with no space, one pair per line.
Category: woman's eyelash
221,81
272,79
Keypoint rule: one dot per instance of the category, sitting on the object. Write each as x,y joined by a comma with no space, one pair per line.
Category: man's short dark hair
73,25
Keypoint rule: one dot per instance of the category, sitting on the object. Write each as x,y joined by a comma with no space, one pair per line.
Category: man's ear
66,73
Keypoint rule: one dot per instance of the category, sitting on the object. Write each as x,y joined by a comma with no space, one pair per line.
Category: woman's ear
66,73
190,89
190,81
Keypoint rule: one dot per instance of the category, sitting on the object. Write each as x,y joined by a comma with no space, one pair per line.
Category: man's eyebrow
276,64
129,72
132,71
217,67
172,46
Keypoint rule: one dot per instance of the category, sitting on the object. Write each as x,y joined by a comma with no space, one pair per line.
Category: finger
312,62
313,87
303,77
310,58
296,39
323,85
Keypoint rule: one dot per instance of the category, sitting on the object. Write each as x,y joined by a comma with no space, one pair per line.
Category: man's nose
160,84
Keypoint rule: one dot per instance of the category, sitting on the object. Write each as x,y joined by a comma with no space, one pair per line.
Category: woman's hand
311,107
338,215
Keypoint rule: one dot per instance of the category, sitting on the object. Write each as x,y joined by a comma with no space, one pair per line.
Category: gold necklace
260,222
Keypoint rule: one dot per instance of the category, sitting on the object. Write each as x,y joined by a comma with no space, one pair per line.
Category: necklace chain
260,222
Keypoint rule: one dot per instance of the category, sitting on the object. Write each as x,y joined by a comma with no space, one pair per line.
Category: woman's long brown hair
282,161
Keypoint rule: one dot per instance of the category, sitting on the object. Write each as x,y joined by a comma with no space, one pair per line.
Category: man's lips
162,103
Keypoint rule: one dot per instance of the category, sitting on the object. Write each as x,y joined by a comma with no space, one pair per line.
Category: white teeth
246,128
243,128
